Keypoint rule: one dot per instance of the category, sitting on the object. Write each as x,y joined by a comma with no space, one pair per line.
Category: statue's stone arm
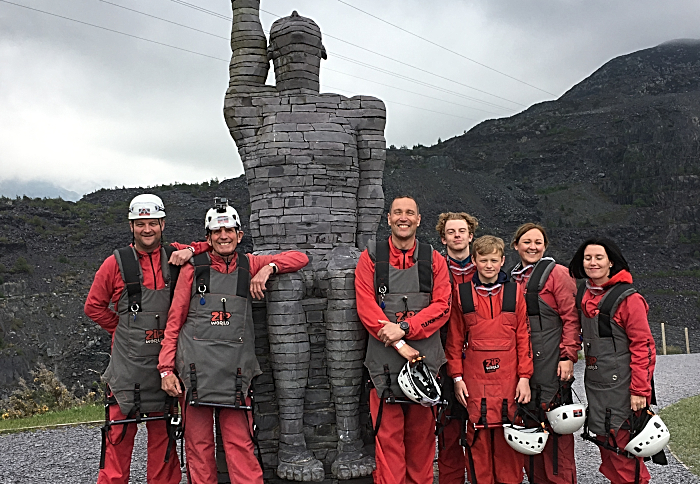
249,62
369,122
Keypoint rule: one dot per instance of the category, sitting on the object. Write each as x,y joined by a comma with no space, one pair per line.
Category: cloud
84,107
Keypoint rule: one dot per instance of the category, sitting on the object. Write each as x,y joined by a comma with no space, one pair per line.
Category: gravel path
71,455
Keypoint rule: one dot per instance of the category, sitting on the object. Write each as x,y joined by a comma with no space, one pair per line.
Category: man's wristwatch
274,267
405,327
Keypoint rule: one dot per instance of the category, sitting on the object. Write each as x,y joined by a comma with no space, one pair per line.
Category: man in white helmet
137,280
209,340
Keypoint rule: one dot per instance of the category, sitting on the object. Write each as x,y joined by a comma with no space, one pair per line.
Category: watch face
404,326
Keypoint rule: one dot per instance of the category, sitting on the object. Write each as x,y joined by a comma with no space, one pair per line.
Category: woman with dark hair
550,293
620,353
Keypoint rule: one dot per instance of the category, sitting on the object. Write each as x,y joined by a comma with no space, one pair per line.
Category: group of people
510,344
503,345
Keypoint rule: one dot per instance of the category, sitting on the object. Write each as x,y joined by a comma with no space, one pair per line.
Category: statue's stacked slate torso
314,164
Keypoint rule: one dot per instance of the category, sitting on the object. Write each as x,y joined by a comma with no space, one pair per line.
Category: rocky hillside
616,155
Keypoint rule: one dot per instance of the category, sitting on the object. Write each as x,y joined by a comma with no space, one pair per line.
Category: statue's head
296,51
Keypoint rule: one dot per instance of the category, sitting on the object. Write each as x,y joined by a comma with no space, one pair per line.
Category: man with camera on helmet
137,281
209,341
403,298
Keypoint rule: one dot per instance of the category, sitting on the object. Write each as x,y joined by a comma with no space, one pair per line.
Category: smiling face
489,265
597,264
404,220
457,236
530,247
224,240
147,233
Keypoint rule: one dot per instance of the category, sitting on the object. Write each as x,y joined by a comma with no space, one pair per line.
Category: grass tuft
683,421
85,413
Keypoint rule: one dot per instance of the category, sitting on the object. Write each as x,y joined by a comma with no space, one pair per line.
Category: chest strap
510,293
425,268
202,276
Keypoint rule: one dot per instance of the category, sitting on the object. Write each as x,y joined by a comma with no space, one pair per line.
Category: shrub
63,259
21,265
44,394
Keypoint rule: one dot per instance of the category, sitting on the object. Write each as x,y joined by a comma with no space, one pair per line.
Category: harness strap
174,270
510,293
466,297
194,396
535,284
579,294
504,412
136,409
239,388
381,268
611,300
484,410
132,278
385,393
254,432
202,264
425,267
243,284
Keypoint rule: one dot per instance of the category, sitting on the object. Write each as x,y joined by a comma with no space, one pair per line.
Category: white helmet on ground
649,435
418,384
526,441
567,419
221,216
146,206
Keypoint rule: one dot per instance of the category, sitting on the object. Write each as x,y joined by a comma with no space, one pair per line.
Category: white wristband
399,344
457,378
165,373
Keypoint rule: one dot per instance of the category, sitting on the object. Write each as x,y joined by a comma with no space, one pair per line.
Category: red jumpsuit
631,316
106,289
242,465
559,293
405,443
451,464
494,460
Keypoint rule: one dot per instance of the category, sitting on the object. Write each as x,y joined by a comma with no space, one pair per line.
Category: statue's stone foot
350,465
302,467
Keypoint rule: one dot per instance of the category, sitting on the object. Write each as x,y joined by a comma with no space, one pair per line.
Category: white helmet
526,441
418,384
567,419
146,206
222,216
650,435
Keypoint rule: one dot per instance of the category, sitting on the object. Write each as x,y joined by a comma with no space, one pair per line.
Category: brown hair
523,229
488,244
472,222
405,196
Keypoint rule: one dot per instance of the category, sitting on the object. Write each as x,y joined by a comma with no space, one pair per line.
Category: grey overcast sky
86,108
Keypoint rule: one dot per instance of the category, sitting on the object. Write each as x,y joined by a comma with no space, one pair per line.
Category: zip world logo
154,336
492,364
402,315
591,363
220,318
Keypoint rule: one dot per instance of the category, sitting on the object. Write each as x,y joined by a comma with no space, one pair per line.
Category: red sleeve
176,318
563,288
290,261
522,339
430,319
198,247
631,315
106,288
367,308
456,332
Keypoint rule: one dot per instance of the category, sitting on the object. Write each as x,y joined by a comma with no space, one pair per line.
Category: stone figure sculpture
314,164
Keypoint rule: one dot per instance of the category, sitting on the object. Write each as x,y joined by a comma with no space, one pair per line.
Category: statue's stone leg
345,351
289,354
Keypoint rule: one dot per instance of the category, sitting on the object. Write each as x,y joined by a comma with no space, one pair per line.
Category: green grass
683,421
86,413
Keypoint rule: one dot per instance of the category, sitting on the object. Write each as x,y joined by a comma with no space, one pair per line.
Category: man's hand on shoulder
180,257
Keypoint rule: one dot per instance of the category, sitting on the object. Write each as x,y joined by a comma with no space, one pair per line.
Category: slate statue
314,165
